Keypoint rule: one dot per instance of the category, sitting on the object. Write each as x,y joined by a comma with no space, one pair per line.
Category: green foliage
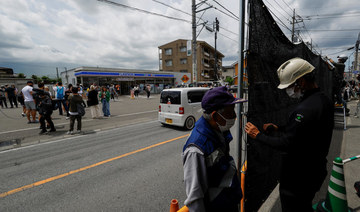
21,75
45,79
230,80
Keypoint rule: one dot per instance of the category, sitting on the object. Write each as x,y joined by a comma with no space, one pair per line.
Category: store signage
124,79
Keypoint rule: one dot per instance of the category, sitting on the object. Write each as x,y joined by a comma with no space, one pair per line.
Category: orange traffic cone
174,206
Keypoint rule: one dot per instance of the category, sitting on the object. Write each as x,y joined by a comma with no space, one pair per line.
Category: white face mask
228,124
291,93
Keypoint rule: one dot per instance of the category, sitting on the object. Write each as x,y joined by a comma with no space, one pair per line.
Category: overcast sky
36,36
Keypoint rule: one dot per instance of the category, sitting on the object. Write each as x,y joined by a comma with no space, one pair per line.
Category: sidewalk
345,144
15,132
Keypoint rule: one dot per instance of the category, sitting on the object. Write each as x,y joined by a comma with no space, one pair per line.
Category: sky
38,36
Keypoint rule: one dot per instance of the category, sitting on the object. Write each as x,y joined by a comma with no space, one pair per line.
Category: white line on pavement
98,131
86,120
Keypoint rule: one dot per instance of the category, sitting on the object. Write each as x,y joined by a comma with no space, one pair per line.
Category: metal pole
57,73
293,28
241,145
215,57
356,54
194,62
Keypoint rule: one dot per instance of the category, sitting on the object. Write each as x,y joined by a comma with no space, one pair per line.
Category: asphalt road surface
131,168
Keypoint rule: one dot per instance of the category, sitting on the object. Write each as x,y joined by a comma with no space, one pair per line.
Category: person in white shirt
29,102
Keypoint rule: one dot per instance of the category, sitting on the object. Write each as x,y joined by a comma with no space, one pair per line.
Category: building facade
126,78
176,56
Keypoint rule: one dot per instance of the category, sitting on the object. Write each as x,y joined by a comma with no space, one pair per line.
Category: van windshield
171,97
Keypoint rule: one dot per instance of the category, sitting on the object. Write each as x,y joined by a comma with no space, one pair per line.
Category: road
136,167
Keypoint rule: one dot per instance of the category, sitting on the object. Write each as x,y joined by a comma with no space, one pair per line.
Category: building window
168,62
168,51
182,48
183,61
183,71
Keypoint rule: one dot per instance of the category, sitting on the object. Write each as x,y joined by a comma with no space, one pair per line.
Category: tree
230,80
46,79
21,75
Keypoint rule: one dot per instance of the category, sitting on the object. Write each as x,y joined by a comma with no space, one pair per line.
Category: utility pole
293,27
66,76
356,53
295,19
194,62
57,73
216,28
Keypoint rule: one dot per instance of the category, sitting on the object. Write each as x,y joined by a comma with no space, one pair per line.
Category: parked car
181,106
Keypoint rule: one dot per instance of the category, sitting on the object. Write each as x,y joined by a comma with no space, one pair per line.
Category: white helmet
292,70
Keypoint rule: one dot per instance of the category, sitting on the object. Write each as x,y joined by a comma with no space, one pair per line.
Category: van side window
170,97
195,96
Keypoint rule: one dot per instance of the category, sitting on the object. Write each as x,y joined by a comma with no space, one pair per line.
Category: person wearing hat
307,134
210,175
29,102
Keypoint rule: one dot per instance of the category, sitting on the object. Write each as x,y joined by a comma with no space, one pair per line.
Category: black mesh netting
268,49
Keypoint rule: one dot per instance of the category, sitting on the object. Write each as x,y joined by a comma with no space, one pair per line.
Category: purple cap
217,98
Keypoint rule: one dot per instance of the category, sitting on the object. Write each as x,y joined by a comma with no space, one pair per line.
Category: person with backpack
60,96
75,103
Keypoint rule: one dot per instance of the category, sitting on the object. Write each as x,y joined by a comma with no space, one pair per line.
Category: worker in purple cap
210,174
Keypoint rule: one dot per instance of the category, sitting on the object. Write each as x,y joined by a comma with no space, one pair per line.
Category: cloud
94,33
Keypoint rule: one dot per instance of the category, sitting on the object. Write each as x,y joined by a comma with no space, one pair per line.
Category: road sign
185,78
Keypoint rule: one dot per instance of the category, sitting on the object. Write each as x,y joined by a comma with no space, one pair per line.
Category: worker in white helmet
306,138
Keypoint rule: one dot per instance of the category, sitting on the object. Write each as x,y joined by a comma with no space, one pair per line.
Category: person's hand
251,130
270,127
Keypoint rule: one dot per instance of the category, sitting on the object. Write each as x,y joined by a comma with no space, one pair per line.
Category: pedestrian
307,134
74,100
104,96
60,96
45,111
93,102
11,95
147,89
3,97
20,99
357,90
66,97
136,90
112,92
29,102
210,173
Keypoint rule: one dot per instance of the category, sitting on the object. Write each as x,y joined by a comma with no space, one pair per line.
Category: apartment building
176,56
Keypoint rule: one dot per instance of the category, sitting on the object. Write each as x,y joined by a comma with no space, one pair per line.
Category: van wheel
189,123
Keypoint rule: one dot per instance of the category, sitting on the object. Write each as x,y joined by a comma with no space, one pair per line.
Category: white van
181,106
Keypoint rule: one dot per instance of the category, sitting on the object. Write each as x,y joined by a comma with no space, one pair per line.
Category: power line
282,8
200,18
277,10
143,11
172,7
284,25
326,30
288,6
228,37
226,9
235,18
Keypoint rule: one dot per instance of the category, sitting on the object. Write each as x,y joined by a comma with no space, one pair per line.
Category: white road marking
86,120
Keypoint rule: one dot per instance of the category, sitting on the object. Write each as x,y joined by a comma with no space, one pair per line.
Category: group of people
65,99
8,93
210,175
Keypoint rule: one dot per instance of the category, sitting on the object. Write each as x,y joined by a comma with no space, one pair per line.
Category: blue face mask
228,124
